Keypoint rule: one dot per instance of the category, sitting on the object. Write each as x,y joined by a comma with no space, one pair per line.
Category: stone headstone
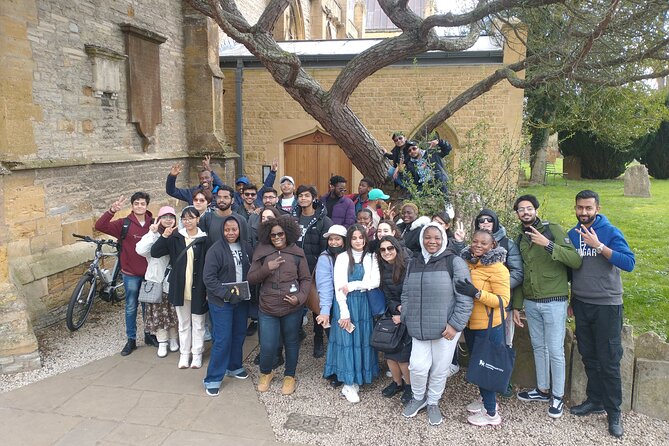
651,388
637,183
651,346
571,166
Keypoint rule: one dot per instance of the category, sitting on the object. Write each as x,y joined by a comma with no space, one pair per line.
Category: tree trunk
538,152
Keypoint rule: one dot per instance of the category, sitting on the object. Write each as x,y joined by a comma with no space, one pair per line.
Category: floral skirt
162,315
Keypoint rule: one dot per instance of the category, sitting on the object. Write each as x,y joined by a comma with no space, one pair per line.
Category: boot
150,339
129,347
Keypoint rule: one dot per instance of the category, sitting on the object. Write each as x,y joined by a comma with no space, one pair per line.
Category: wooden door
313,159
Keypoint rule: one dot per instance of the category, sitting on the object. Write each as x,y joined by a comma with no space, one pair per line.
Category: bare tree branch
271,14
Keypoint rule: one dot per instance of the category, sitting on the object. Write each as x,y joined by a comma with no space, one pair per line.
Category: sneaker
197,361
151,340
392,389
407,395
615,425
289,383
413,407
434,415
242,374
586,408
265,381
389,374
508,393
129,347
211,391
483,419
334,382
555,409
534,395
252,328
162,350
351,394
477,406
452,370
184,361
174,345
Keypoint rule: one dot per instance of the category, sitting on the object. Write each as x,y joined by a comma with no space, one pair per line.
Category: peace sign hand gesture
589,236
118,204
459,233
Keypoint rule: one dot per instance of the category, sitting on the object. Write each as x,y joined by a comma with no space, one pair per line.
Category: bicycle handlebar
88,239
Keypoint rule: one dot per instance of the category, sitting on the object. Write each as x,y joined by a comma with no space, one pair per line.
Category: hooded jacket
598,279
411,233
275,285
173,246
514,262
187,194
132,263
220,267
313,242
545,273
343,211
491,277
430,301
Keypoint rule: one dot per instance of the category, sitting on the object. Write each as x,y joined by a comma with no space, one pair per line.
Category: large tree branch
271,14
401,16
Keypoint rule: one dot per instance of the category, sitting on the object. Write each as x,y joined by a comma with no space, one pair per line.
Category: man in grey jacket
435,315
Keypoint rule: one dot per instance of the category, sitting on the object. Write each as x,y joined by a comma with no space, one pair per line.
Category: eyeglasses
526,209
250,194
413,149
277,234
485,220
188,218
390,248
199,200
399,138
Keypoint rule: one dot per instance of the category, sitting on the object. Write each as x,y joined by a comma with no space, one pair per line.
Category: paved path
138,400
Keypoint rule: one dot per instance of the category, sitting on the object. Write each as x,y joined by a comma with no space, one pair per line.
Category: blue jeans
132,285
471,338
399,180
229,332
546,322
270,330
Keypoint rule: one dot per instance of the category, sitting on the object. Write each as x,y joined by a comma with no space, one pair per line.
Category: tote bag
491,364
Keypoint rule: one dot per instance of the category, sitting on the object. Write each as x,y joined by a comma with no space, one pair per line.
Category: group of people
251,253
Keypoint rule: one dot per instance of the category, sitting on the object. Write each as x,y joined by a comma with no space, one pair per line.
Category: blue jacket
187,194
325,281
598,279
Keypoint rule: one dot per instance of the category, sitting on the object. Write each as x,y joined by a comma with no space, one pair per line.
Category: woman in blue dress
350,357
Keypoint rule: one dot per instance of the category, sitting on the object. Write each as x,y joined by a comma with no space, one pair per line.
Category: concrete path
137,400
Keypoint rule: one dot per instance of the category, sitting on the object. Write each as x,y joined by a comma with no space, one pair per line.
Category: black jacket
313,243
219,265
173,246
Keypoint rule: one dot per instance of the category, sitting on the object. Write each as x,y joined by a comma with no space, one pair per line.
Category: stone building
99,99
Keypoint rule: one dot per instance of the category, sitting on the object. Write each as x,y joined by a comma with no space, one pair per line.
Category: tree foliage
599,160
654,149
606,43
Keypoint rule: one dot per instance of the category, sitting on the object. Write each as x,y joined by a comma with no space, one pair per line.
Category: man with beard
314,222
209,181
340,209
212,222
547,253
597,303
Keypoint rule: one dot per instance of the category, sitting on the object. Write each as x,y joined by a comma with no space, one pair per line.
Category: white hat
335,230
286,178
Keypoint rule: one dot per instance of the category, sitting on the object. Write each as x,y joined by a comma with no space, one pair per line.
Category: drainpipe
239,79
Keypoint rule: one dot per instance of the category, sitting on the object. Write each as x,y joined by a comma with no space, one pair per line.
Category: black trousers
598,329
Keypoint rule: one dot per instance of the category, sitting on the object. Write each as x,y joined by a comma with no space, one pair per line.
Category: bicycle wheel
81,301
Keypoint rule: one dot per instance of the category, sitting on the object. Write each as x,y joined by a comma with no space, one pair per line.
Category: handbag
236,292
387,336
491,364
150,292
377,301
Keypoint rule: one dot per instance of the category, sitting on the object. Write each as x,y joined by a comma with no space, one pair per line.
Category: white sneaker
184,360
162,349
477,406
197,361
483,419
452,370
389,374
350,393
174,345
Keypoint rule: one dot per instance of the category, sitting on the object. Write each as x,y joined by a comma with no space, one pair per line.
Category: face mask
336,251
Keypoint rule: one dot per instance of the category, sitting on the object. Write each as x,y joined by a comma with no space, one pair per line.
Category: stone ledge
38,266
20,363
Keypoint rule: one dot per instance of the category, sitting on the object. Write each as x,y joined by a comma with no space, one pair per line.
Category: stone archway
446,131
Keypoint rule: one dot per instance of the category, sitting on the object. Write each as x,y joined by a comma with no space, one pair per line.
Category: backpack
124,233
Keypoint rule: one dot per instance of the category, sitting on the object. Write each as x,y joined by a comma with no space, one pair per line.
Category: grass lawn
644,222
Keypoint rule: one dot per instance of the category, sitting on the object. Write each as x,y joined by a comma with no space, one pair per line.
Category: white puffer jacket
155,271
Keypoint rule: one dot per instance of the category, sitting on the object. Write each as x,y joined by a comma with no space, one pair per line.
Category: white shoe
162,349
197,361
389,374
452,370
184,360
174,345
477,406
350,393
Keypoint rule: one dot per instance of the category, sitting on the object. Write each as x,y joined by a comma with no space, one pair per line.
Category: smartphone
350,328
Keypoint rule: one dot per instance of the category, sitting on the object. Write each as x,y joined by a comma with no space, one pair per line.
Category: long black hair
400,265
347,243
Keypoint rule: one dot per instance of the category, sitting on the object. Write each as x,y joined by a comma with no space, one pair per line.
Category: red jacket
132,263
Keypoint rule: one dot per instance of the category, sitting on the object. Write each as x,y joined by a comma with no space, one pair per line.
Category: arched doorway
312,159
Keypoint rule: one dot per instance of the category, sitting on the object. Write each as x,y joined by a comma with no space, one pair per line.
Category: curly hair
285,222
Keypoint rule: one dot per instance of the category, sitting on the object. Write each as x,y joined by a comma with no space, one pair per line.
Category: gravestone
651,388
637,183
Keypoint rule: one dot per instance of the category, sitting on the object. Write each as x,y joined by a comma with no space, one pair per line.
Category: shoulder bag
151,292
387,336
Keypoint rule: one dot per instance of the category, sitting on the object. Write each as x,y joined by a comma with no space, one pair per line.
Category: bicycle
96,281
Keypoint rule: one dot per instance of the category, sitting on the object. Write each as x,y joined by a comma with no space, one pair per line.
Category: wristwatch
477,295
600,248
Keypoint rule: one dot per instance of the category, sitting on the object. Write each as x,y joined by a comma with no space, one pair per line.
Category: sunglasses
413,149
388,249
485,220
250,194
277,234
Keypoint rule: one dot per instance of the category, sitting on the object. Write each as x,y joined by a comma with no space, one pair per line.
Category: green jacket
545,274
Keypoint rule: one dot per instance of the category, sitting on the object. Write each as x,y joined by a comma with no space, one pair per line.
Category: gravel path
374,421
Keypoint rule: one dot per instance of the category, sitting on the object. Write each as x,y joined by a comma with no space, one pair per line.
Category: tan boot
264,381
289,384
